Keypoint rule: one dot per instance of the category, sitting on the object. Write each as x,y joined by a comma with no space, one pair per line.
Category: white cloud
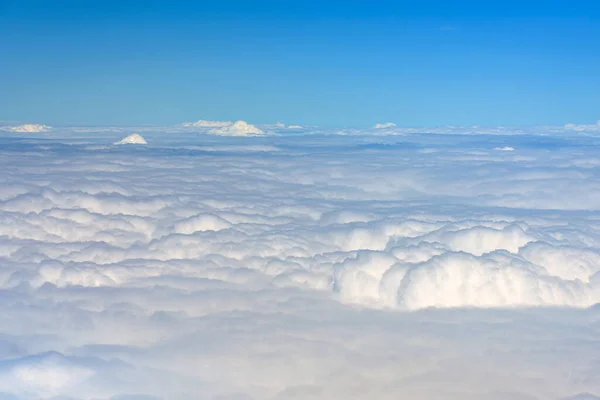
28,128
207,124
221,128
239,128
300,267
384,126
505,148
388,130
582,127
134,138
43,375
201,222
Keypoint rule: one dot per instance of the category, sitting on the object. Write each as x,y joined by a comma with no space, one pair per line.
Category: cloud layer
300,267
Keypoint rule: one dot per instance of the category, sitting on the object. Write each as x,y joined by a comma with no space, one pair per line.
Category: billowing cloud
207,124
239,128
221,128
385,125
134,138
28,128
300,267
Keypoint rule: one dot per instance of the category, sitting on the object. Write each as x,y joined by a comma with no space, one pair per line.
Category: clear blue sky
331,63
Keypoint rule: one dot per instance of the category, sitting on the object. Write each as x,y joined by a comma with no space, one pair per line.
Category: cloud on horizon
223,128
207,124
27,128
134,138
384,126
238,128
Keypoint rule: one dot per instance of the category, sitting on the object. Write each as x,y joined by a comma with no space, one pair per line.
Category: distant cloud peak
28,128
134,138
385,125
207,124
227,128
238,128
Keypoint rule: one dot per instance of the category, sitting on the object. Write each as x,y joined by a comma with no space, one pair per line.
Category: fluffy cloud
207,124
239,128
300,267
505,148
384,126
221,128
28,128
134,138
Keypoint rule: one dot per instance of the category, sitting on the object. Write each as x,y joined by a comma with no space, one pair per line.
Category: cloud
385,129
201,222
134,138
28,128
309,266
505,148
384,126
582,127
239,128
207,124
44,375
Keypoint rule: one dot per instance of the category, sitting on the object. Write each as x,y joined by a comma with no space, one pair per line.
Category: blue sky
330,63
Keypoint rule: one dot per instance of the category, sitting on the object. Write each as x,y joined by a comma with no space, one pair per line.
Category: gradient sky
331,63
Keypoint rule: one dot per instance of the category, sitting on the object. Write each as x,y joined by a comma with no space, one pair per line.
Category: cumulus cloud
385,125
223,128
300,267
134,138
28,128
239,128
207,124
505,148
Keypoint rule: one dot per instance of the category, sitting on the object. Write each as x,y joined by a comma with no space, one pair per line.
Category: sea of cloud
299,266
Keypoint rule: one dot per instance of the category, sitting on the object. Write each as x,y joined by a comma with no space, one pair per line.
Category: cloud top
226,128
28,128
207,124
238,128
134,138
385,125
